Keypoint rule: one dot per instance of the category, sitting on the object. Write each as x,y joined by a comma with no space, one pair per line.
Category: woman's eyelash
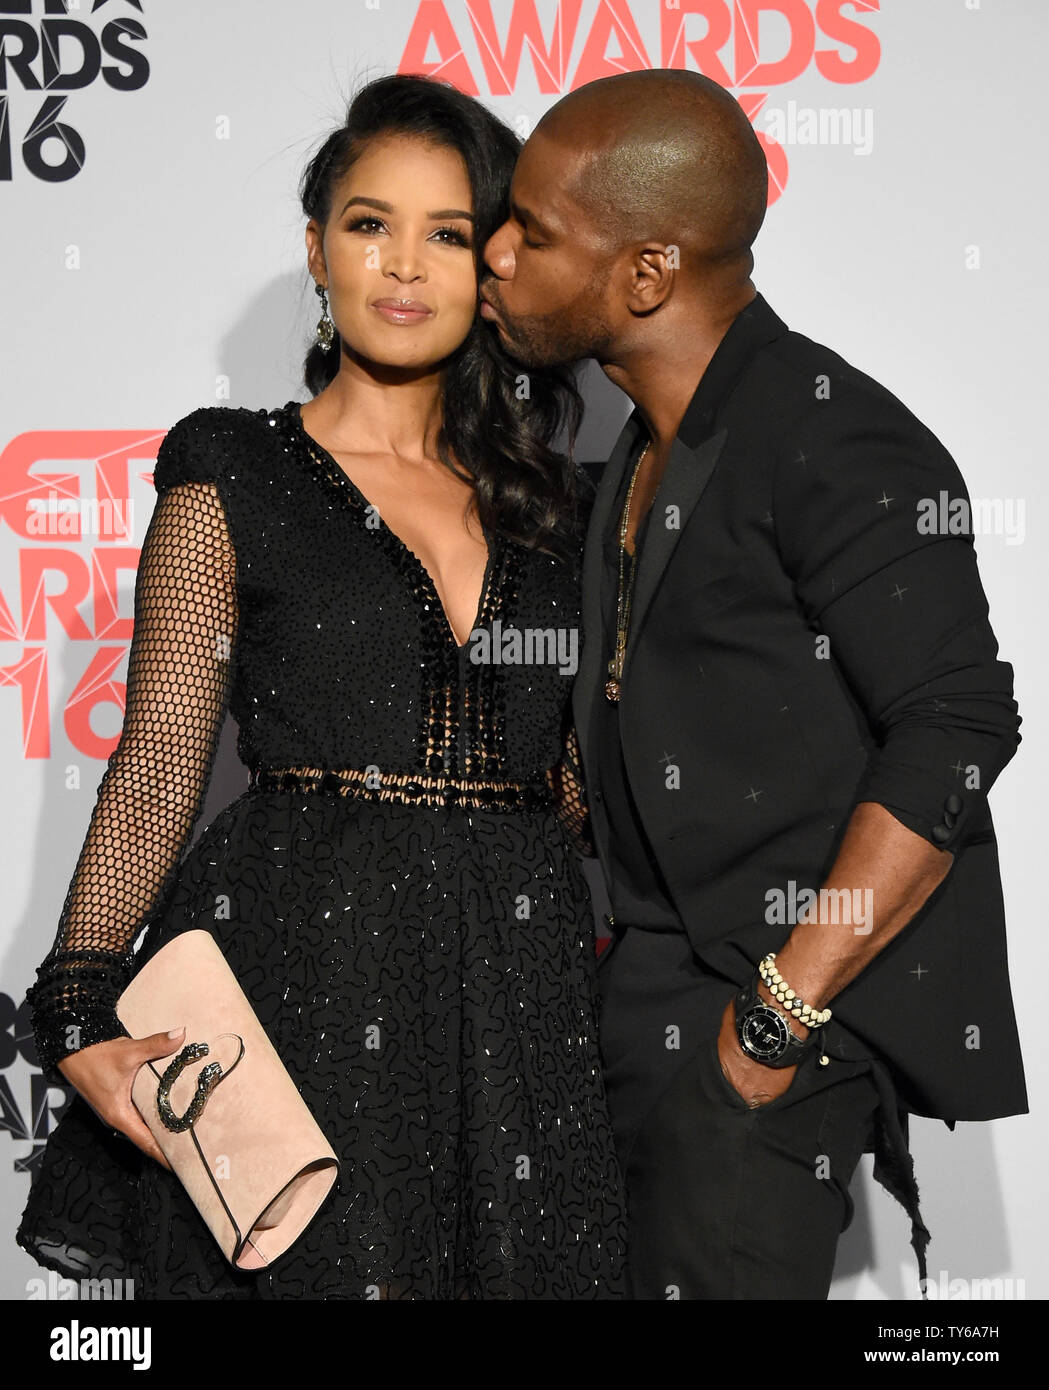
456,235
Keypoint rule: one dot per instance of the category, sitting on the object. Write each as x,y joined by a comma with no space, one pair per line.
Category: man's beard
536,340
548,340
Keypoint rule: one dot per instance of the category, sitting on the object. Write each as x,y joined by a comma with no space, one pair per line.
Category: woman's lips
400,313
488,310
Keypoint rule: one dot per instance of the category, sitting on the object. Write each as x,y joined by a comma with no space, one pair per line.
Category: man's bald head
616,175
667,154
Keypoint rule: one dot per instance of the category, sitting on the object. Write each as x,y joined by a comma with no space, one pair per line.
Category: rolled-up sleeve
860,498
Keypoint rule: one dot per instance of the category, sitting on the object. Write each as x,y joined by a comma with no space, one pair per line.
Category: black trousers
724,1201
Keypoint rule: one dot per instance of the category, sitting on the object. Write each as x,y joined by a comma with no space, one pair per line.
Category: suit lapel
684,479
693,457
590,678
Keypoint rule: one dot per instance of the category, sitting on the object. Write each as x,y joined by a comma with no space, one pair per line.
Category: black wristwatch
764,1033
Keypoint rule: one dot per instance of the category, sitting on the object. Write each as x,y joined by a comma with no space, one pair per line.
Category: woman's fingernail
174,1032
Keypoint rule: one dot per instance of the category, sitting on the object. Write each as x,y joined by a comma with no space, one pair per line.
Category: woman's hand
103,1074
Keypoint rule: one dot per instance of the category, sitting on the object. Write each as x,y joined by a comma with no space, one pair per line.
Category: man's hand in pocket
755,1083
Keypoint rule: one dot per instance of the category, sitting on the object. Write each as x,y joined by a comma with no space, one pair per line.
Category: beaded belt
407,788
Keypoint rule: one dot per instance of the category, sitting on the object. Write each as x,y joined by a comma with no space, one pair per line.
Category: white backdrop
168,271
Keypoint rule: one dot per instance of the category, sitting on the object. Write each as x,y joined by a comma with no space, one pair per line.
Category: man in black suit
789,720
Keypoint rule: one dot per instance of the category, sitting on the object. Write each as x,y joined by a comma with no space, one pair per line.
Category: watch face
763,1032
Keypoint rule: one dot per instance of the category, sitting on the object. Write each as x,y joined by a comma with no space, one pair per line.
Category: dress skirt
427,975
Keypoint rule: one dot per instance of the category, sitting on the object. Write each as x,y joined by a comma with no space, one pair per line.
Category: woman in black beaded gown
397,890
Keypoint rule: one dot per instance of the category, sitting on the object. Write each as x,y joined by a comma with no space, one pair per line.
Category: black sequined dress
397,892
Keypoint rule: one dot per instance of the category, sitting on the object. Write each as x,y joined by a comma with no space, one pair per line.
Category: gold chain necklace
624,592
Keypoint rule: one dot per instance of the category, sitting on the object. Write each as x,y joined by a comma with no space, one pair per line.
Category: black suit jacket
799,644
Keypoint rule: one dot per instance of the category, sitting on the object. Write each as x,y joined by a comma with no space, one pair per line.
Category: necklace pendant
612,689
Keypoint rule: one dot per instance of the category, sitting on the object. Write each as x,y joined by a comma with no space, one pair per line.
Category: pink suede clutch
224,1111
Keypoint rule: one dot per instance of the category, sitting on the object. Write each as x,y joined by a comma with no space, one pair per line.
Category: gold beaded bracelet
783,994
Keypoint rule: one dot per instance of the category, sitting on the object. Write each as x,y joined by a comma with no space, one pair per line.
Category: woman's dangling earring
326,325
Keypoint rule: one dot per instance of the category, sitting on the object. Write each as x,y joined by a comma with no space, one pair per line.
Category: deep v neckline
343,479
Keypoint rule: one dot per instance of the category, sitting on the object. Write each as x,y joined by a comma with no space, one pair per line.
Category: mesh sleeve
566,783
152,789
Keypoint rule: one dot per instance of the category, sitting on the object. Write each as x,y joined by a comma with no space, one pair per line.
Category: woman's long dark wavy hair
525,488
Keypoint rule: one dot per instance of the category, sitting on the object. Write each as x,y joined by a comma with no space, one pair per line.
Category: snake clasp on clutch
209,1078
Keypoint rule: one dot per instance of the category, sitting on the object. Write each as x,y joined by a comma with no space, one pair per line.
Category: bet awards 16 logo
54,54
32,1122
737,43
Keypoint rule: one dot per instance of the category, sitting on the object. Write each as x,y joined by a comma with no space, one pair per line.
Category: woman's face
400,229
